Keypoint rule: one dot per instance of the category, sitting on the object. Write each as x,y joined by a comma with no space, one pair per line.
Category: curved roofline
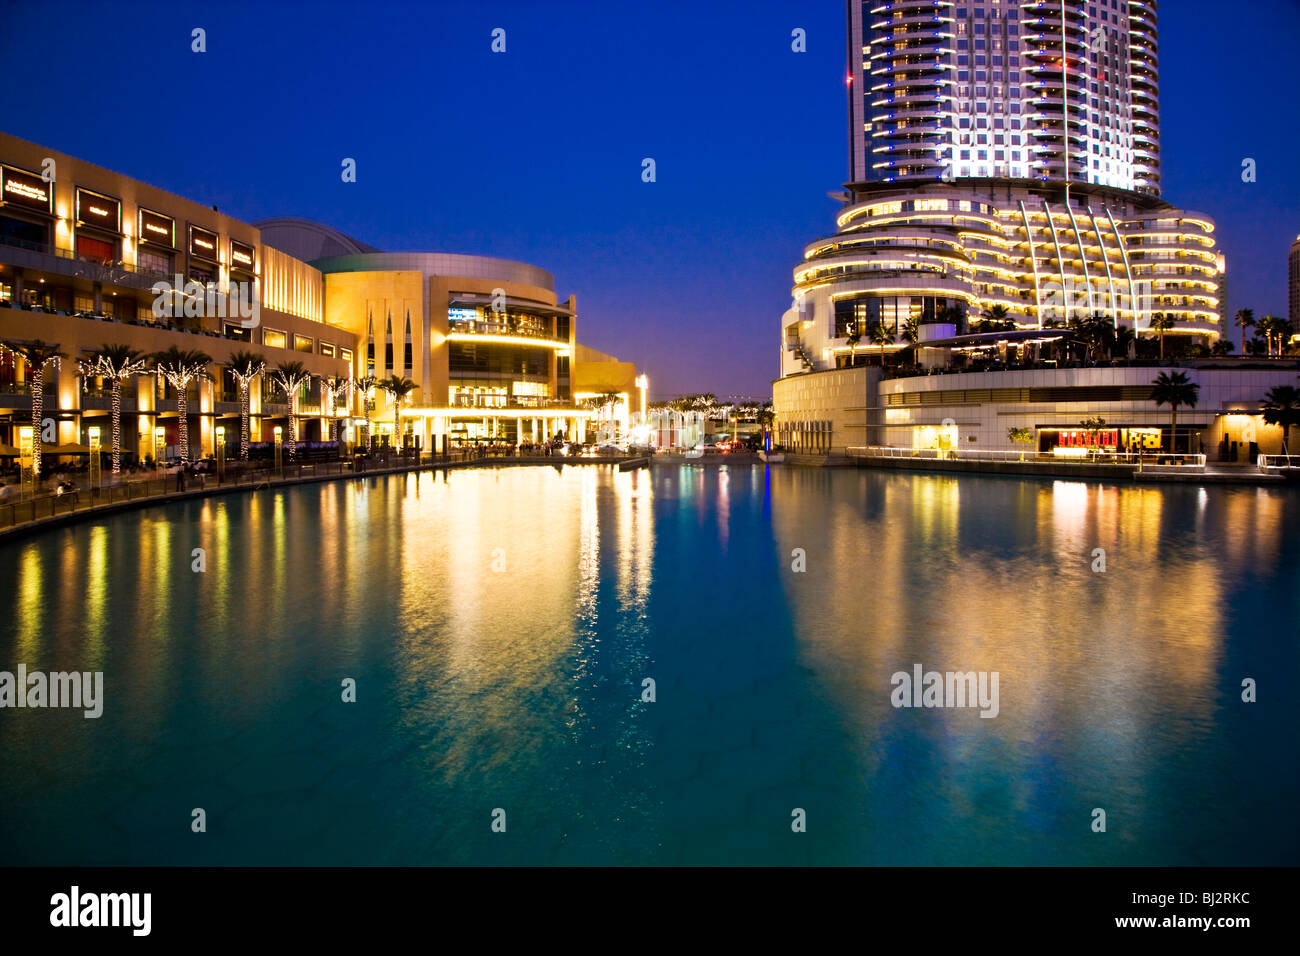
328,232
443,265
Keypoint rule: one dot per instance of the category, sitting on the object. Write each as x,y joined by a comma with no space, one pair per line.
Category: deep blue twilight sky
536,154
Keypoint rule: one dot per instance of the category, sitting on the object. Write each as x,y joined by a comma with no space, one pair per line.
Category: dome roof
307,240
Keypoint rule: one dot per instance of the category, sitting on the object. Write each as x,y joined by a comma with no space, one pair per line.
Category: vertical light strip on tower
1105,260
1033,261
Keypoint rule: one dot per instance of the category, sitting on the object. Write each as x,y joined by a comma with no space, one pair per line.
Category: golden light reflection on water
961,574
500,573
31,609
634,494
97,598
500,621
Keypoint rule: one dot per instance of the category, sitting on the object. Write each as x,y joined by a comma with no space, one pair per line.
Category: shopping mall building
89,257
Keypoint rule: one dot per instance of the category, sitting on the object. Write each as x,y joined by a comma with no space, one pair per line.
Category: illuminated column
92,439
27,438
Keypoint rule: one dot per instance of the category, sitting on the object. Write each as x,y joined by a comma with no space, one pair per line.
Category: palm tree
954,316
880,334
37,355
333,386
180,367
1097,332
1174,389
1124,337
995,319
244,367
1282,407
1272,325
291,377
765,418
1103,329
853,338
366,386
1245,319
1162,322
912,334
397,388
598,403
116,363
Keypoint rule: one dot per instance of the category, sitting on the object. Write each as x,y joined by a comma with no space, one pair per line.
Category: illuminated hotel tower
1004,162
1056,90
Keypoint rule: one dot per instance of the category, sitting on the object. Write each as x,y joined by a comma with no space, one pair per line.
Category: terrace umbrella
71,448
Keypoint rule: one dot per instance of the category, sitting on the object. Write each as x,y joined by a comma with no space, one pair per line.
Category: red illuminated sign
1083,438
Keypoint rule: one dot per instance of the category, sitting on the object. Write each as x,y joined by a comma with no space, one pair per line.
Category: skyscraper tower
1055,90
1004,166
1293,285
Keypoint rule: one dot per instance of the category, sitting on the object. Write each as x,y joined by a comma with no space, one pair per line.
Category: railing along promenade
1274,464
158,486
1162,461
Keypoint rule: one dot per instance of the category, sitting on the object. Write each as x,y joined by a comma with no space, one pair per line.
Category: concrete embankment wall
1044,469
1033,468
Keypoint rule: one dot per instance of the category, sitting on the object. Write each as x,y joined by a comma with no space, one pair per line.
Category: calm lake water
499,625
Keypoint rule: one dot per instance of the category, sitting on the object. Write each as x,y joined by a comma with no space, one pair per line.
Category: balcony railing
41,255
518,401
479,327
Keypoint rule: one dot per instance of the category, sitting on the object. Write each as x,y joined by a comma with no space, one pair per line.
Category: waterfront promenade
1271,469
27,515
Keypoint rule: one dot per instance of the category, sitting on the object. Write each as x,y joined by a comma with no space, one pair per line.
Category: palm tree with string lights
290,377
397,388
116,363
180,368
365,385
37,354
333,386
245,366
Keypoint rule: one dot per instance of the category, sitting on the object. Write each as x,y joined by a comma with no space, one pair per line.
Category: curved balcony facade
951,253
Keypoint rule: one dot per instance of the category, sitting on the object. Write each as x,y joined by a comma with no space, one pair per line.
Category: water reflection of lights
905,583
